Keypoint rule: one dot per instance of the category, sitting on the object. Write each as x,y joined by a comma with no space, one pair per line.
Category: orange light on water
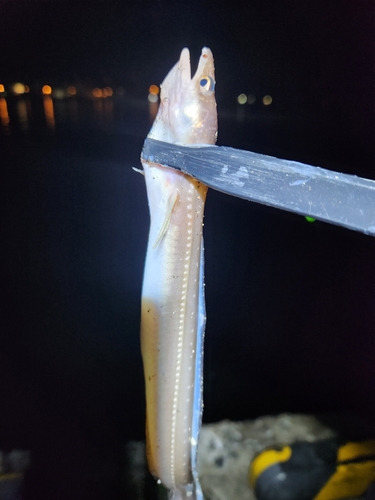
71,90
4,117
49,112
46,90
152,106
2,88
97,93
154,89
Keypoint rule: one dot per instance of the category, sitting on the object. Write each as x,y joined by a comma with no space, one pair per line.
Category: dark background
290,305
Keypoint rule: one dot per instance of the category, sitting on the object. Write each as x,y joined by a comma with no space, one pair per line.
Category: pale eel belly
172,324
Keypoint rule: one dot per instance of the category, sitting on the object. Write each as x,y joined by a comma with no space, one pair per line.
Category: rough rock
227,448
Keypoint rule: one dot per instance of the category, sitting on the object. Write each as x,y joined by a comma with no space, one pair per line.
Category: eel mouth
205,64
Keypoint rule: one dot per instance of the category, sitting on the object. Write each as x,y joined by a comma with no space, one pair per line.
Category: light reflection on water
153,109
49,111
23,110
309,139
4,116
20,114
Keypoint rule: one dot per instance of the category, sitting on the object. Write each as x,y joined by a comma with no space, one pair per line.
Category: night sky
290,305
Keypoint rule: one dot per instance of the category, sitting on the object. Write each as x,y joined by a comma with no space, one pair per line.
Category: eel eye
207,85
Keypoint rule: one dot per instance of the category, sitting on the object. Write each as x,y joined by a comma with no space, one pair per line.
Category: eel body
173,314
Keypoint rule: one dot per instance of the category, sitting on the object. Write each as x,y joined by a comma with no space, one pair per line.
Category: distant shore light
109,91
2,88
59,93
153,98
71,90
251,99
267,100
154,89
46,90
97,92
242,98
18,88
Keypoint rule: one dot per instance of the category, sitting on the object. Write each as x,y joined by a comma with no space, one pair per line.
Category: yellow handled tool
322,470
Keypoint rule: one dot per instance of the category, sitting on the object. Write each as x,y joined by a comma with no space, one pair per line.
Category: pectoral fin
168,213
